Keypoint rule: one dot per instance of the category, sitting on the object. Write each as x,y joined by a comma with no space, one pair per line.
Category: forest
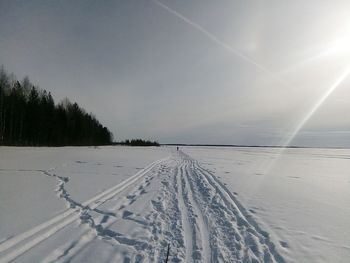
29,116
138,142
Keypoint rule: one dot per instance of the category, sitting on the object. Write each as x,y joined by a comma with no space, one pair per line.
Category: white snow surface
301,197
207,204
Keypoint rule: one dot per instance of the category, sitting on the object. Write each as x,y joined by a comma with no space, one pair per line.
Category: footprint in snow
284,244
252,211
127,213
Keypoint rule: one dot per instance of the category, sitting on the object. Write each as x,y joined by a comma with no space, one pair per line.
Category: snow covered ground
123,204
300,197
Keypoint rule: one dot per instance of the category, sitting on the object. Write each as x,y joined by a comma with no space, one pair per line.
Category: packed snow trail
172,201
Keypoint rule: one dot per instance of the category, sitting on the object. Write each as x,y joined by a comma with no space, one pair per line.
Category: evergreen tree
29,116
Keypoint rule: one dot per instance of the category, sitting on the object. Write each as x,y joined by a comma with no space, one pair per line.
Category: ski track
99,228
199,228
190,210
21,243
184,217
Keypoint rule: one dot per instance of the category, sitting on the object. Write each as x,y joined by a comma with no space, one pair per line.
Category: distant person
177,148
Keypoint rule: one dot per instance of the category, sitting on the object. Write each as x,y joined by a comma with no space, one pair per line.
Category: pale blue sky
196,71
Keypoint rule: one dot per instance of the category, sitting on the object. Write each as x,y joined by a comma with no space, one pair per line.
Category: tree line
138,142
30,117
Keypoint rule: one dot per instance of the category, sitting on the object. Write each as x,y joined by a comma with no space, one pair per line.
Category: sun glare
340,45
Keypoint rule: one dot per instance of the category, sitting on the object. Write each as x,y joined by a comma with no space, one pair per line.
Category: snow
301,198
28,196
210,204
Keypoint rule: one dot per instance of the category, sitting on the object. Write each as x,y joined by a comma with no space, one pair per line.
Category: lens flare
317,105
219,42
340,45
333,49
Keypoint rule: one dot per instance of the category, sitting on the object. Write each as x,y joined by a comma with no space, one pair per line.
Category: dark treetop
30,117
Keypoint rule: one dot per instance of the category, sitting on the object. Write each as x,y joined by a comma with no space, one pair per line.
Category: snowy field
123,204
300,197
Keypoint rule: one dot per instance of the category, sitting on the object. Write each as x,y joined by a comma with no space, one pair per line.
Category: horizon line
252,146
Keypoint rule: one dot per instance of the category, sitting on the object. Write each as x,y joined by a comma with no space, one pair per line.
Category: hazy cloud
235,72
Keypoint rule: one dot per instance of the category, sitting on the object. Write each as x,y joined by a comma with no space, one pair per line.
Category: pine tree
29,116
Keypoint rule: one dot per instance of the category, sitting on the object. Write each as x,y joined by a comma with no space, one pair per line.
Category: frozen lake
300,196
108,204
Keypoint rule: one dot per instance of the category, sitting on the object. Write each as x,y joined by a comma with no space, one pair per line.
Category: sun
340,46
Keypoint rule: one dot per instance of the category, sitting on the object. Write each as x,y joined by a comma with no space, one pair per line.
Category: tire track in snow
21,243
